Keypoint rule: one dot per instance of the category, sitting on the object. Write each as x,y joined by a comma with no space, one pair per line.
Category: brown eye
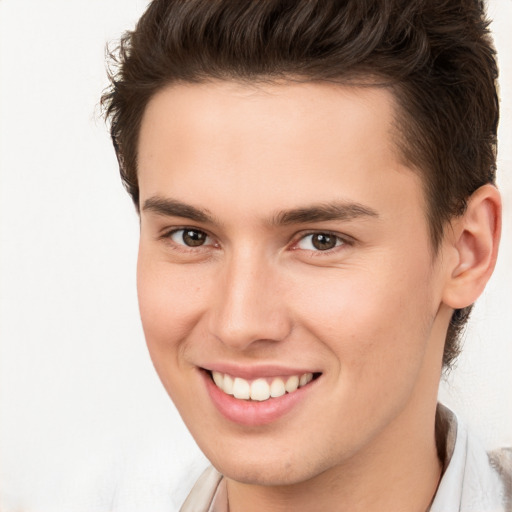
189,237
323,242
319,242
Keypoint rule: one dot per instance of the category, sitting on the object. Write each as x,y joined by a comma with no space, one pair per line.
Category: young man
315,183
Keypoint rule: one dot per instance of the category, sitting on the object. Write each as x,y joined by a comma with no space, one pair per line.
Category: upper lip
250,372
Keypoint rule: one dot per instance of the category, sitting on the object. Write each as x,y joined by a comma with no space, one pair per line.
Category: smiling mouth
260,389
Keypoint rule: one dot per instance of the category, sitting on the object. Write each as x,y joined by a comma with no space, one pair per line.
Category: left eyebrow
340,211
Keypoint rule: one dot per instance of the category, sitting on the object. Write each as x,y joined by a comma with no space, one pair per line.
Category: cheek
373,321
170,300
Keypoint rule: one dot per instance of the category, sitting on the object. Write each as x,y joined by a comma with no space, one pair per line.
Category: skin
370,314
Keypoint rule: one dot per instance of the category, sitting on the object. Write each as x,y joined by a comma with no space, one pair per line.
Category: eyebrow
341,211
175,208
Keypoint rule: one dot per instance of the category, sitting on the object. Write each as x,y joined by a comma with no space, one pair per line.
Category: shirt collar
469,483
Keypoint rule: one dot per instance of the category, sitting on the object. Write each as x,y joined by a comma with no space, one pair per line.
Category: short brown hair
436,56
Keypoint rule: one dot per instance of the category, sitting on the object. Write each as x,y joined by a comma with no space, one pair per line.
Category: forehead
225,113
284,144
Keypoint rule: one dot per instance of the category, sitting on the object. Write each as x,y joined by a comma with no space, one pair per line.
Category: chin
264,476
268,471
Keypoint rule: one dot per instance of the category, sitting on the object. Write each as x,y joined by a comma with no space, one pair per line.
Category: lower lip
254,413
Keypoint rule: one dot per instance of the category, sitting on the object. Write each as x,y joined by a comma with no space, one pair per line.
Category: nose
250,308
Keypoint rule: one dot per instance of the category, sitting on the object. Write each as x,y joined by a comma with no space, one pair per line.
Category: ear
475,239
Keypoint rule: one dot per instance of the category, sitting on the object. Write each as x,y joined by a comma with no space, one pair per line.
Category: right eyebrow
174,208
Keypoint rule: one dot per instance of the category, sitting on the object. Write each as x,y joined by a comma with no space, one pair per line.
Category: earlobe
476,236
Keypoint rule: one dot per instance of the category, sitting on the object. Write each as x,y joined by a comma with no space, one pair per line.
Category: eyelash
341,241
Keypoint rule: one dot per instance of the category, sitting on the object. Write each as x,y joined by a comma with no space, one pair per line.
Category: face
283,244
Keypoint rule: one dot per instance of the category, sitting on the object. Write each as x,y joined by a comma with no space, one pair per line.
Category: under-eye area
263,388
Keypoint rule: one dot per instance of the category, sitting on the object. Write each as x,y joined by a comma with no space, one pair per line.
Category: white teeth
241,389
260,389
304,379
277,388
292,384
227,385
218,378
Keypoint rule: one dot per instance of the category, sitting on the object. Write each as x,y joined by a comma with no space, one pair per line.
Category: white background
84,423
